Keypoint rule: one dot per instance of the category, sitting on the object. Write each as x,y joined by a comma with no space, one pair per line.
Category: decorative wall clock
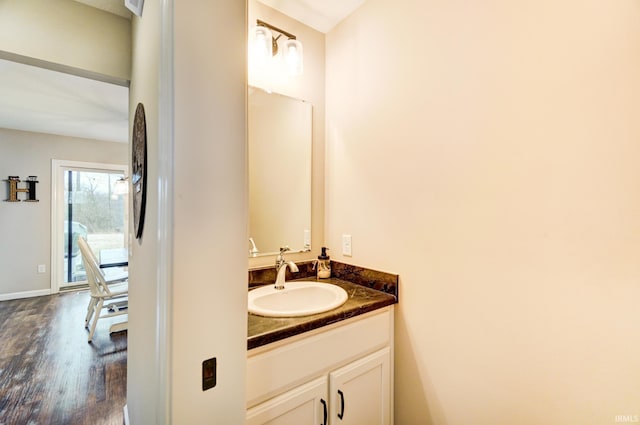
139,169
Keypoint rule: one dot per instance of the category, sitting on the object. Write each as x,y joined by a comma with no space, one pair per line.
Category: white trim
165,208
126,415
57,208
25,294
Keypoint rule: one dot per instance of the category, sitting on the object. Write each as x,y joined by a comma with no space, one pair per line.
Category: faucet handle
280,258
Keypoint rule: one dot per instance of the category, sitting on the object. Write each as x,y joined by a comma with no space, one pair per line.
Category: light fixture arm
276,29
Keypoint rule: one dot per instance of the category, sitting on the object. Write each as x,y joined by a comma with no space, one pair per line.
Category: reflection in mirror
280,139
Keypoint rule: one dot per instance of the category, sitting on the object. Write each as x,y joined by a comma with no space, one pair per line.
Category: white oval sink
299,298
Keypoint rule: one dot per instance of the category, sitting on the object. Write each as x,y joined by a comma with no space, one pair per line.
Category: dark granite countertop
362,299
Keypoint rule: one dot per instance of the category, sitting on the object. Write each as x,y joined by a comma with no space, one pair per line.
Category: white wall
488,153
26,227
196,215
309,87
68,34
209,296
147,363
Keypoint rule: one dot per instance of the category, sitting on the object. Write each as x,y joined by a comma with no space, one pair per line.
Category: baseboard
126,415
25,294
72,288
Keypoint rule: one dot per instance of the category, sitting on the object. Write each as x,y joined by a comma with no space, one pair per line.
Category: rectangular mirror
280,141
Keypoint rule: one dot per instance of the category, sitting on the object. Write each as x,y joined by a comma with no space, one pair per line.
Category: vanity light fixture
264,47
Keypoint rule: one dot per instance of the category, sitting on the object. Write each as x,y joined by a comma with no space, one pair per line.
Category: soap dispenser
324,265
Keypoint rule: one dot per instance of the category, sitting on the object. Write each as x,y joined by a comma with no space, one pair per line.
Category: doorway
86,203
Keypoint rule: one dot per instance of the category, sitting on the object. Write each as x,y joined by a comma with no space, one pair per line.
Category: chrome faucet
281,268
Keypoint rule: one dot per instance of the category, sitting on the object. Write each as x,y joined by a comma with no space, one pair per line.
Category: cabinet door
360,391
306,404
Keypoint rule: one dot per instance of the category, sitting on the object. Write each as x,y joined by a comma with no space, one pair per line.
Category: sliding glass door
90,206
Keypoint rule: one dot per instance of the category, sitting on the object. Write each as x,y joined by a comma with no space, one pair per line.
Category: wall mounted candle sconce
30,190
121,186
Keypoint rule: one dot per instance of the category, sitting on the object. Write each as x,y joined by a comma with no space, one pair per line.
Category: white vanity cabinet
360,391
341,374
306,404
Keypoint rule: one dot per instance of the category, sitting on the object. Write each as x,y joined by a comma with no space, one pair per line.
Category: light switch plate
307,239
346,245
209,372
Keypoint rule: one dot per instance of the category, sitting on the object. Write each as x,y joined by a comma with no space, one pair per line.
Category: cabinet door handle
341,414
324,407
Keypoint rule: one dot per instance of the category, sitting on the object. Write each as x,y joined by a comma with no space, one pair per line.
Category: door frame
58,166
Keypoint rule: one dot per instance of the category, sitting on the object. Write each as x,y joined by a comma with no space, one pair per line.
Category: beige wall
488,153
67,33
309,87
25,228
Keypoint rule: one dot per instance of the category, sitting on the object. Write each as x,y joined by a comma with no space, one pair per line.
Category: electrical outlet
346,245
42,268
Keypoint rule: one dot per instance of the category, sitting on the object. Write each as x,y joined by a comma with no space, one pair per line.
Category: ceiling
321,15
116,7
45,101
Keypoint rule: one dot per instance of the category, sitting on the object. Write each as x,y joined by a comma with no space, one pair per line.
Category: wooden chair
116,295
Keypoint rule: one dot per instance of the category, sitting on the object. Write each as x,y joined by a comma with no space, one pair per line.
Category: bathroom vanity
329,368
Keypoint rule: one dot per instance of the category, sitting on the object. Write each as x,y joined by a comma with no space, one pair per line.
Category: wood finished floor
50,374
